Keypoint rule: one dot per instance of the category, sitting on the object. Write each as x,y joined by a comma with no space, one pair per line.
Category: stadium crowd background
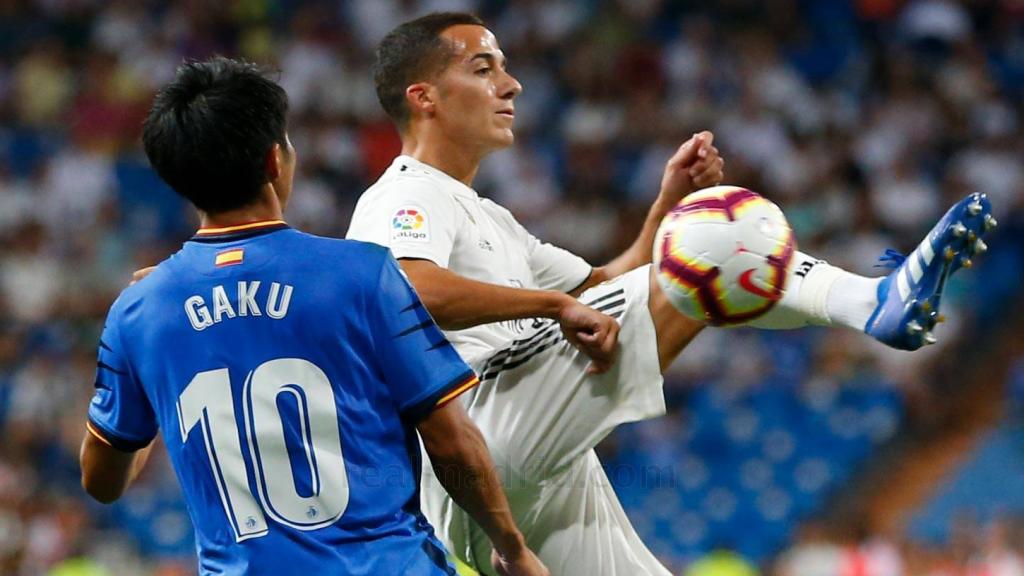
863,119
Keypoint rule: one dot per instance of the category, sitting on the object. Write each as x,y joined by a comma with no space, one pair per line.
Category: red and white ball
722,255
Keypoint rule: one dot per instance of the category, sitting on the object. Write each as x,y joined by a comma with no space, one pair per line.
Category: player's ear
419,97
274,162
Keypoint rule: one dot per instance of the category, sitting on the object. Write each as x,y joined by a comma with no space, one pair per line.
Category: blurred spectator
812,554
870,555
995,552
31,280
863,119
997,556
1015,392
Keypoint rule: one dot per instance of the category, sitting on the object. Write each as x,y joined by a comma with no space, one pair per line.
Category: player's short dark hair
210,130
411,53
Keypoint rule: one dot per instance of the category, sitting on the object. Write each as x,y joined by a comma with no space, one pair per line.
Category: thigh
580,528
573,521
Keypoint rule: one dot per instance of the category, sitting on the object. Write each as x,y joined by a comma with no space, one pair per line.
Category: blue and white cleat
908,298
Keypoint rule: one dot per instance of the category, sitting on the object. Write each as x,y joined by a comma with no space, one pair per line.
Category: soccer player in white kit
538,324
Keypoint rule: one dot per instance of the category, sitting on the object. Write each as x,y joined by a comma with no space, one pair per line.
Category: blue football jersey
287,372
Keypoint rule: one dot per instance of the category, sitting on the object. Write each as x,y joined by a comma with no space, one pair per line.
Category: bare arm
106,471
638,253
457,302
695,165
461,462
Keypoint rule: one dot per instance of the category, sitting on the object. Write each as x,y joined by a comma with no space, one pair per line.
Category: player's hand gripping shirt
286,372
419,211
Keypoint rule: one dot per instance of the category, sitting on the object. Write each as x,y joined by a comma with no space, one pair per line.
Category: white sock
852,300
820,294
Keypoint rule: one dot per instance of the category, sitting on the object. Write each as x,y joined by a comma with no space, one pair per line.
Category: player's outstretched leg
673,329
908,298
899,310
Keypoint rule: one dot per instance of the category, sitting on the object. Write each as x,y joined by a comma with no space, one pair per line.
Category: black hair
411,53
210,130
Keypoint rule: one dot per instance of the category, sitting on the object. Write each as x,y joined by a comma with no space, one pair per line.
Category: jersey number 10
207,400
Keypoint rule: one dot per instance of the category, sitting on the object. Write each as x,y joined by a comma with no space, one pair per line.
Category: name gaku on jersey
275,303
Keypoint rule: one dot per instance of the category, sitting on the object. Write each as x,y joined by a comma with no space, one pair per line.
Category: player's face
475,92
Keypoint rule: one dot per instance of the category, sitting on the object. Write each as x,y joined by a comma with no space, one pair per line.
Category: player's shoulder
402,205
161,280
494,207
338,247
155,281
343,254
500,213
404,186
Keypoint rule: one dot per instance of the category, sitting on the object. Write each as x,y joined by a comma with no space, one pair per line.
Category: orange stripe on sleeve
92,430
473,381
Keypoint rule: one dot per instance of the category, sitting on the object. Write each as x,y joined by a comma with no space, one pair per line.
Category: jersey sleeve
556,268
553,268
421,368
120,415
412,217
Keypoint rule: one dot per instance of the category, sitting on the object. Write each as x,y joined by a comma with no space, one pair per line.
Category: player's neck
459,162
266,209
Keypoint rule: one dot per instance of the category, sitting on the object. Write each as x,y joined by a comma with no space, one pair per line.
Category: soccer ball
723,255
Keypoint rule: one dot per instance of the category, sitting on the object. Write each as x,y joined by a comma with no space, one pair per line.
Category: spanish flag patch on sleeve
229,257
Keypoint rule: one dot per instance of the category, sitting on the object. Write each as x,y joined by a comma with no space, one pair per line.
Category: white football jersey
419,211
539,410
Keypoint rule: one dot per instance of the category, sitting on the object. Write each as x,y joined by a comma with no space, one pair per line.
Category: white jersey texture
419,211
539,411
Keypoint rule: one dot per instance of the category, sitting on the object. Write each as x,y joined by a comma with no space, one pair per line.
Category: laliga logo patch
407,219
409,223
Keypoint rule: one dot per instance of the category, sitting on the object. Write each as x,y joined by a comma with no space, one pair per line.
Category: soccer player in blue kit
289,373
